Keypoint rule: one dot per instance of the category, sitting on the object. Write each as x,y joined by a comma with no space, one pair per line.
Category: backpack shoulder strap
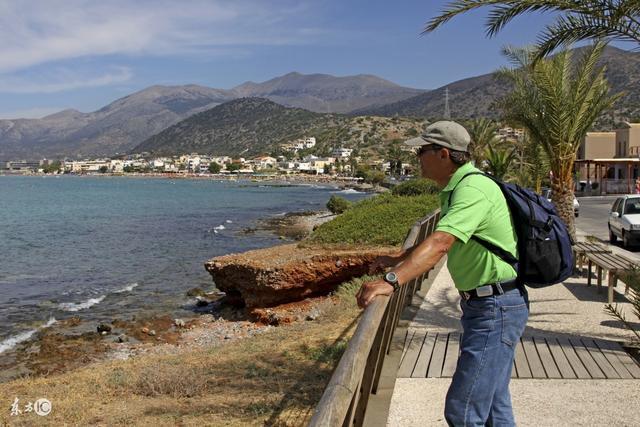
496,250
463,177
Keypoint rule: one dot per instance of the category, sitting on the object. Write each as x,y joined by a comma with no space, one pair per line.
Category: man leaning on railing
494,306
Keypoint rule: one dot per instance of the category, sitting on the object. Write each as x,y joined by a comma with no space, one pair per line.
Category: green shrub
380,220
338,205
214,167
375,177
416,187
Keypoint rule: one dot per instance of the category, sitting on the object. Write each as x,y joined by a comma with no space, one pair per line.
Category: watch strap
394,283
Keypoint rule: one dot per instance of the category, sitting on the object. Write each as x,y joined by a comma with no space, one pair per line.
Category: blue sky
84,54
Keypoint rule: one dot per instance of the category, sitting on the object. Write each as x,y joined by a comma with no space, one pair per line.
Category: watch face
391,277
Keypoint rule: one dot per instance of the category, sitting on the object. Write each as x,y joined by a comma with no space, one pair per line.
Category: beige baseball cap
445,133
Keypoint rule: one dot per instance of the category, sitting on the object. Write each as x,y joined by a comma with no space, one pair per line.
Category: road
594,212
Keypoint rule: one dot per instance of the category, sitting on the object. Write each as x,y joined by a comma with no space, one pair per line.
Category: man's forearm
424,256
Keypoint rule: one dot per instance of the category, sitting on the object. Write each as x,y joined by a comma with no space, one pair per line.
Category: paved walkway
562,310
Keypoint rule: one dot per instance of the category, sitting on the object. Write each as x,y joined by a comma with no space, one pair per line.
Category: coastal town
296,159
340,161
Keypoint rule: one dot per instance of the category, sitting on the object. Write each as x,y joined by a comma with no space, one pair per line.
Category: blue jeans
479,392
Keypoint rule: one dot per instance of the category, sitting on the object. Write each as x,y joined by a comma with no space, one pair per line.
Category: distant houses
342,153
509,133
294,160
299,144
609,162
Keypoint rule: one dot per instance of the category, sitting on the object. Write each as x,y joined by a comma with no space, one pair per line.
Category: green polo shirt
478,208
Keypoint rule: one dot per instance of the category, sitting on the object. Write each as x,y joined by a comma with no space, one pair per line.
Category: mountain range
476,96
137,122
126,122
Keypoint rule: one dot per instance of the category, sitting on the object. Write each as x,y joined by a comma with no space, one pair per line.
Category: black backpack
544,245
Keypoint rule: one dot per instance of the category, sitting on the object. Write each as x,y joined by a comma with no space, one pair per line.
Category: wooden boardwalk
434,355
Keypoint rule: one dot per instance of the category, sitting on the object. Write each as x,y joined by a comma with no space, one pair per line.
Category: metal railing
357,376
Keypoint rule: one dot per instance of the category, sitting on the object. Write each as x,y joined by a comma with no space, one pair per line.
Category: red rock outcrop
287,273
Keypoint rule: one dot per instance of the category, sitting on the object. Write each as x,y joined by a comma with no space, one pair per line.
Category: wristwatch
392,279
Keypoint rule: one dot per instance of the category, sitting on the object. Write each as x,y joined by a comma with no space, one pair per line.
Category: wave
229,221
128,288
349,191
72,306
217,228
11,342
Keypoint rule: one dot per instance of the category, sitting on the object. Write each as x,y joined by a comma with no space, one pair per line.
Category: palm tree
483,133
532,162
557,100
498,161
395,155
578,19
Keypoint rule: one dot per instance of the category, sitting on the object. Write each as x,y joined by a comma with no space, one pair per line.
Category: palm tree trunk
562,196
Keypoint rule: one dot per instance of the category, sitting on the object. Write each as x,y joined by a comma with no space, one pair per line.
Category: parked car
624,220
546,193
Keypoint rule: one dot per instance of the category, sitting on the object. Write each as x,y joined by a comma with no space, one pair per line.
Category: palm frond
454,9
567,30
579,19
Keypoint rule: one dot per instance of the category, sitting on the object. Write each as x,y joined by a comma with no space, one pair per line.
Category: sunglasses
426,148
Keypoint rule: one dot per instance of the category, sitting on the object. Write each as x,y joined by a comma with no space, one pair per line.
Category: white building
287,165
137,164
300,144
307,142
221,160
510,133
193,163
87,166
342,153
264,162
116,166
158,163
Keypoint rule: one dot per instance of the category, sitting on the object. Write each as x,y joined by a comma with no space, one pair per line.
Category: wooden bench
581,249
614,264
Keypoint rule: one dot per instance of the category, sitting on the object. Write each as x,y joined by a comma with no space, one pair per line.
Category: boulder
288,273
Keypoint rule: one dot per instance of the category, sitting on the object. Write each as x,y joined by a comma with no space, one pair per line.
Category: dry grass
274,378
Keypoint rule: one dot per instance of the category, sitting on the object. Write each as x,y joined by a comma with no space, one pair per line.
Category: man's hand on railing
369,290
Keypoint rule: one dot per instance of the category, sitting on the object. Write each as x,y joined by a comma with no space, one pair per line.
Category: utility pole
447,112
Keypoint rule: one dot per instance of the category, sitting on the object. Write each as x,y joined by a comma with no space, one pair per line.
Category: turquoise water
107,247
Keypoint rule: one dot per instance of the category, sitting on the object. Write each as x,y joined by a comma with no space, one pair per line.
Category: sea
102,248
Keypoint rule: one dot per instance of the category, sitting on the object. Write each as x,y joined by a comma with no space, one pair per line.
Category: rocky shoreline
67,344
292,225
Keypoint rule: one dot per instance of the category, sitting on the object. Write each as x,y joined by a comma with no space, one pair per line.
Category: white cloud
60,80
30,113
54,30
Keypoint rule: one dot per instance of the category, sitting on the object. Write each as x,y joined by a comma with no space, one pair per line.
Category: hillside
115,128
252,126
476,96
